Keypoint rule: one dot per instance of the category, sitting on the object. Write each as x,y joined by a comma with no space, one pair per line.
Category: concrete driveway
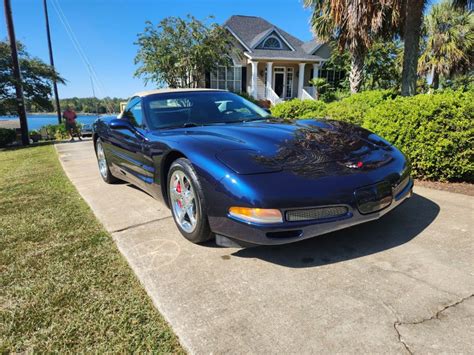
403,284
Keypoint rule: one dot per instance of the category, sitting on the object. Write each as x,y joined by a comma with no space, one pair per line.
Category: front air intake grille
311,214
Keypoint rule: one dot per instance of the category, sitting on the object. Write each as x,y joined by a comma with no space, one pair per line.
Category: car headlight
256,215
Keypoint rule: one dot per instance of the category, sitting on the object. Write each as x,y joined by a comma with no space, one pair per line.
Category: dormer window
272,43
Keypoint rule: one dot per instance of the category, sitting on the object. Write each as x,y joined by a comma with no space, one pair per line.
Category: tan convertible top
165,91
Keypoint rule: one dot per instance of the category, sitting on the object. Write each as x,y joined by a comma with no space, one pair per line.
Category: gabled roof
252,30
310,46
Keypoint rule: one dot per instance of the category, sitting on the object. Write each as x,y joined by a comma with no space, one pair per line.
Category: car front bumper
288,232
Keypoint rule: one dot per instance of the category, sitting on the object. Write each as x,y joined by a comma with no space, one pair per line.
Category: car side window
133,113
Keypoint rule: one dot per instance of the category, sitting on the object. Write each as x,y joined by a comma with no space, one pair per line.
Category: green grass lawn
63,283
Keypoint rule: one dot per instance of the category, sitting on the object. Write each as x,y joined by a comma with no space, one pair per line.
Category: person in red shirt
71,126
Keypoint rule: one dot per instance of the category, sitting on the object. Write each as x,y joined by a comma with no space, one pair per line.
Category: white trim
301,79
267,35
236,68
284,40
238,39
315,59
275,72
254,80
288,71
269,81
272,37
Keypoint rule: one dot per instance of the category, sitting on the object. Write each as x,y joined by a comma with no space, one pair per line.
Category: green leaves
177,52
36,75
449,47
435,131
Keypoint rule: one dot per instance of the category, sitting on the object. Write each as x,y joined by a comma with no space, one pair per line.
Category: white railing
272,96
309,93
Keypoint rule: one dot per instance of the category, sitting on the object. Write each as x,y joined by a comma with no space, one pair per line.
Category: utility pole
51,60
25,139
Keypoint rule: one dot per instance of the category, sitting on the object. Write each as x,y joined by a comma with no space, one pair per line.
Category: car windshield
184,109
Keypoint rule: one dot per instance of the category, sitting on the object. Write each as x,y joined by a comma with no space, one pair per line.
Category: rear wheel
187,202
103,164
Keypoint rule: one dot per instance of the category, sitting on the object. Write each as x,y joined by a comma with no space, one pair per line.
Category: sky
107,30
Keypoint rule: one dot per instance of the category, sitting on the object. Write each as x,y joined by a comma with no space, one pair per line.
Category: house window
227,78
272,43
289,82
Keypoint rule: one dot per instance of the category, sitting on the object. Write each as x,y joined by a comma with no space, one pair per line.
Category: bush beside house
300,109
435,131
354,108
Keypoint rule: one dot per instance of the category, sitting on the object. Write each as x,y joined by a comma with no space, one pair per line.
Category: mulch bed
457,187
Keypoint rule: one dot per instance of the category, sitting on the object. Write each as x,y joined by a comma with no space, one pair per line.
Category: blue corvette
225,167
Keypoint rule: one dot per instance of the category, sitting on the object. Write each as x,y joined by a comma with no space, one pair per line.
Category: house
273,65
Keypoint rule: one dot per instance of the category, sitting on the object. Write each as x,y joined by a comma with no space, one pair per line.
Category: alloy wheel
102,160
183,201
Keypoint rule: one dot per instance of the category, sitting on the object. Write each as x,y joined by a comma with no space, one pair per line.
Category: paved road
402,284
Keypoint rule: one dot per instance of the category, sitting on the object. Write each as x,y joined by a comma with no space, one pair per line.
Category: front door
279,83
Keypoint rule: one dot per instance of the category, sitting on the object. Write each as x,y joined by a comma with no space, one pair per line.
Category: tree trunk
413,21
357,69
435,83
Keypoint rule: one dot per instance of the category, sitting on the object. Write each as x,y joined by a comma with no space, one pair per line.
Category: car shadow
395,228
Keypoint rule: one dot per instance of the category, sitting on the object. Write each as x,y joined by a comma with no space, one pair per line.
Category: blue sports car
226,168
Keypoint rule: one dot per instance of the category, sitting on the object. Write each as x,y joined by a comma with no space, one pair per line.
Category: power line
77,46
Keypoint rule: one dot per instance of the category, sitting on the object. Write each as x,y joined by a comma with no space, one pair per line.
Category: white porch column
253,90
269,74
316,70
316,75
301,80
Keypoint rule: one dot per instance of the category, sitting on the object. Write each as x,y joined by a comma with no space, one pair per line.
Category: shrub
57,130
299,109
435,131
7,136
354,108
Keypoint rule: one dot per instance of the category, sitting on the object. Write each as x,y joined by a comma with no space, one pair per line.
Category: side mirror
117,123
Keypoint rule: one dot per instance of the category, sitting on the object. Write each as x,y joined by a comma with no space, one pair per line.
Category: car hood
267,146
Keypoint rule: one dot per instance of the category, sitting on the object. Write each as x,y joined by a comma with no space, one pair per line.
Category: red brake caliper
178,190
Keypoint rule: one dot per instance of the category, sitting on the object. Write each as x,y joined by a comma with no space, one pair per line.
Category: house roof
170,90
251,30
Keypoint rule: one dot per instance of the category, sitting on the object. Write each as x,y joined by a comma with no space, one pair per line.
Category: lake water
35,122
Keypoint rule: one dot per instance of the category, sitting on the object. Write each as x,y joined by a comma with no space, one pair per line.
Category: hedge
435,131
354,108
300,109
7,136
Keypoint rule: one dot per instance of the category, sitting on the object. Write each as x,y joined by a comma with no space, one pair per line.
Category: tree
354,25
178,52
383,65
412,18
321,85
449,46
36,79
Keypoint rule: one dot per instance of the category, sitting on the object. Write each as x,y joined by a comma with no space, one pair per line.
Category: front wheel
187,202
103,164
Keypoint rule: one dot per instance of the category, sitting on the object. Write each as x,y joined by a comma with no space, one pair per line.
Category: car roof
168,90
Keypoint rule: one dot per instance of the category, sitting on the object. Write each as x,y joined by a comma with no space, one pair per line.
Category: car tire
104,169
187,202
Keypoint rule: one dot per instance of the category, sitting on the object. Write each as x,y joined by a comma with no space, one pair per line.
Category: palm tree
450,42
411,16
354,24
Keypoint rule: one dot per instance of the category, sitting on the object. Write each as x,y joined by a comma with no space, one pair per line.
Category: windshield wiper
248,120
191,124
